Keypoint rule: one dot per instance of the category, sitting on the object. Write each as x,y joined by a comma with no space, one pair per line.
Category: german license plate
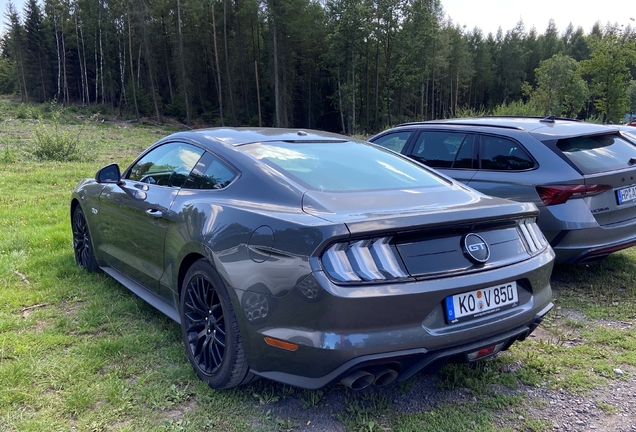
478,303
626,194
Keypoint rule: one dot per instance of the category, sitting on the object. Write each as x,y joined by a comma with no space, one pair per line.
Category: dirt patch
177,412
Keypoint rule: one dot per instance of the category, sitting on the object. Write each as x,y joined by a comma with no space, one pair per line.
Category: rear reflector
281,344
485,352
559,194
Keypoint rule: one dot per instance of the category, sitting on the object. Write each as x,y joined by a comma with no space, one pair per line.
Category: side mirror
108,174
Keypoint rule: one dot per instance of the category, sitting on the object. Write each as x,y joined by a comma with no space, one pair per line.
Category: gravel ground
610,408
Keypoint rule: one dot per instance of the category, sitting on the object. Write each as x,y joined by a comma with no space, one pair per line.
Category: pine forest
352,66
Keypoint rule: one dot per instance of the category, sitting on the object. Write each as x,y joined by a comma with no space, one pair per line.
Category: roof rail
533,117
454,123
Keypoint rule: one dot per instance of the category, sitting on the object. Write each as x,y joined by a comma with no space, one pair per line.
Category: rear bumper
576,236
401,326
573,247
409,362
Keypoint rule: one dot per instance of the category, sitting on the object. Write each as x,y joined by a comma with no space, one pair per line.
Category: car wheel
82,245
210,330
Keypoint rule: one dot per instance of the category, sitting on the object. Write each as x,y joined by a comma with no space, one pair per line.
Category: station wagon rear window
600,153
343,166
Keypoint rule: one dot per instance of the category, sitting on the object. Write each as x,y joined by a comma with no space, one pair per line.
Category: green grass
79,351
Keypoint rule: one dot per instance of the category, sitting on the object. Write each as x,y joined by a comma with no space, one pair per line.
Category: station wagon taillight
559,194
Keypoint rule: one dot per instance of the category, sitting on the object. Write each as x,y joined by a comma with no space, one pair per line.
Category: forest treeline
355,66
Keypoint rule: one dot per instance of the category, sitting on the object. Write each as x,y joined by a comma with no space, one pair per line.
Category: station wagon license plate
625,195
475,304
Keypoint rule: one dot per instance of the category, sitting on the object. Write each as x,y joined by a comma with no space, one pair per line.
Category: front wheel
82,245
210,330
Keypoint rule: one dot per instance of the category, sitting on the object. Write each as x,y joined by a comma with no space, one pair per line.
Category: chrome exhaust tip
358,380
383,376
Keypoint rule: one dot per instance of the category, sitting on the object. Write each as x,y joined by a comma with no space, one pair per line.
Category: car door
450,152
134,214
191,208
507,170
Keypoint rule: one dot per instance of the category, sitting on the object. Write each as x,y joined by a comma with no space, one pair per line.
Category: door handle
154,213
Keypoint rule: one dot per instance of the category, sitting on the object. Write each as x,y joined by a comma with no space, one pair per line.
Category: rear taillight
532,235
363,260
559,194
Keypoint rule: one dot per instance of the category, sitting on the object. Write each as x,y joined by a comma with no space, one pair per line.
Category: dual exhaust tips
363,378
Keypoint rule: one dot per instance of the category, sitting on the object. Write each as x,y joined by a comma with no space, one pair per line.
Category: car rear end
427,272
596,213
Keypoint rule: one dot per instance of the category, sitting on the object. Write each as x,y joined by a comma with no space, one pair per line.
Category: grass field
80,352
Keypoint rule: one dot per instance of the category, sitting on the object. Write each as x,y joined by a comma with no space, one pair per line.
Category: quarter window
502,154
210,173
394,141
167,165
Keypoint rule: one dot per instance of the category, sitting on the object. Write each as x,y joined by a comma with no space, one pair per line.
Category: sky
488,15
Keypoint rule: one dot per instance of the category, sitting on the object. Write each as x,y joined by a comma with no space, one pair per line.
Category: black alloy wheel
204,324
82,245
210,330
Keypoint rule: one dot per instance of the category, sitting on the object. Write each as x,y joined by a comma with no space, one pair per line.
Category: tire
82,244
210,331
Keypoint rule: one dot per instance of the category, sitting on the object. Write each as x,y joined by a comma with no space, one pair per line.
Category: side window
167,165
438,149
503,154
464,156
210,173
394,141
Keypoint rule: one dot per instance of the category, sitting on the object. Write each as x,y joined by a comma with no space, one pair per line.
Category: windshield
342,166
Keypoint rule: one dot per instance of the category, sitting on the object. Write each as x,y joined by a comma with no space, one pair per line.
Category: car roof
239,136
546,127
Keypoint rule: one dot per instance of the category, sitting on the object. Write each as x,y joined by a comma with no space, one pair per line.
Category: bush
7,154
56,143
24,111
517,108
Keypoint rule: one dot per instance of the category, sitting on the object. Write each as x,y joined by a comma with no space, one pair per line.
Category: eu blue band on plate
450,307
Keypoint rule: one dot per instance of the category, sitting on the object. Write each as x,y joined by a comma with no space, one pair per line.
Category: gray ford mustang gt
311,258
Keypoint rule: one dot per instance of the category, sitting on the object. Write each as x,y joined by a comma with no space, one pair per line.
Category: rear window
595,154
342,166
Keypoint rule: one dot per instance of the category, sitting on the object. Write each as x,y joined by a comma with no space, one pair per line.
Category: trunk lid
607,159
407,209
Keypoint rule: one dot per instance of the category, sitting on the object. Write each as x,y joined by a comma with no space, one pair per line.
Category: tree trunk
149,60
277,100
132,73
122,69
258,94
342,120
101,52
182,64
353,92
65,78
218,69
59,61
167,56
227,64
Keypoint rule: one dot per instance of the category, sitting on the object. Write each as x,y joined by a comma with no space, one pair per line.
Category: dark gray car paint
264,214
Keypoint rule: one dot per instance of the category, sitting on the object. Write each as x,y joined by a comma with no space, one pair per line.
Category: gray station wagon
582,176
